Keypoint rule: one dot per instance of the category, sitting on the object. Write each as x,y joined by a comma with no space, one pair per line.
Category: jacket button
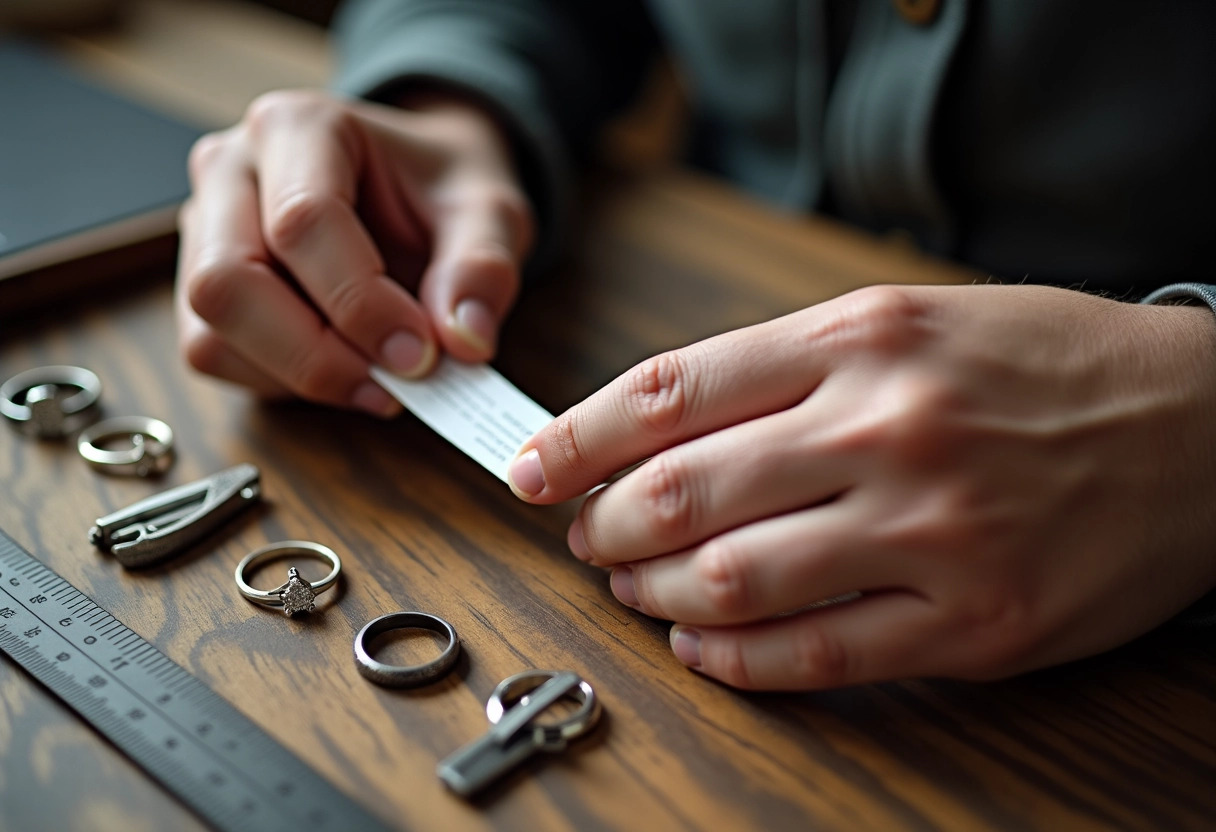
918,12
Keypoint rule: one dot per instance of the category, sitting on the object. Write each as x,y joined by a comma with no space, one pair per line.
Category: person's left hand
1011,477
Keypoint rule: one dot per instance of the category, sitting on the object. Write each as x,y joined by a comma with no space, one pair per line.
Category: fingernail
372,397
686,644
405,353
476,325
622,586
525,476
576,542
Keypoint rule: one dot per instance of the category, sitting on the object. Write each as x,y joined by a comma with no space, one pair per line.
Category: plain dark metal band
398,676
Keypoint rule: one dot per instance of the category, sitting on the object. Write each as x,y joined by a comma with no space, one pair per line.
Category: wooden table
1124,740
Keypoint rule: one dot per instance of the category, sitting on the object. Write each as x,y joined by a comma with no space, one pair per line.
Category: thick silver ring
143,459
516,688
297,594
398,676
34,400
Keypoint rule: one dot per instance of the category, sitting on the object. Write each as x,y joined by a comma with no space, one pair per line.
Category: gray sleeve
552,72
1202,612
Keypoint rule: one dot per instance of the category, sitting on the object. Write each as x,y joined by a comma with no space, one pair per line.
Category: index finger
308,175
664,401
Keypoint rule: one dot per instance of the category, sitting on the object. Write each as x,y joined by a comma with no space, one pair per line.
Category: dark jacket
1065,141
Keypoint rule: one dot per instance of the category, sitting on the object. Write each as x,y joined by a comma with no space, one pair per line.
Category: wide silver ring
150,452
35,402
399,676
296,594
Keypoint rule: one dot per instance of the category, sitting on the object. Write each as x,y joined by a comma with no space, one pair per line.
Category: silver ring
35,401
143,459
516,688
398,676
297,594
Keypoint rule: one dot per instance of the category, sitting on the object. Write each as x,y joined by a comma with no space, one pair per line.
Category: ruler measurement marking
160,674
181,731
49,669
142,654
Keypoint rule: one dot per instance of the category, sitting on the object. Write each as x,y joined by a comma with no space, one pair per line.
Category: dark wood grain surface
1122,741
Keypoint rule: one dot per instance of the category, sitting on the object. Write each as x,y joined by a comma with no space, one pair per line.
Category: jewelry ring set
297,595
55,401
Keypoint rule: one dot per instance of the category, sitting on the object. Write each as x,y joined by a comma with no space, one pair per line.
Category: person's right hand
325,235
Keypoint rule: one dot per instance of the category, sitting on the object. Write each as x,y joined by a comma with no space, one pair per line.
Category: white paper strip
473,407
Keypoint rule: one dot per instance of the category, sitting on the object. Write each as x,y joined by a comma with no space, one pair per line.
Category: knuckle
657,393
301,110
723,572
668,498
882,319
270,107
295,217
648,600
915,422
817,658
500,206
946,525
347,304
495,265
513,210
214,289
203,352
1003,630
501,200
566,441
729,663
309,374
205,152
918,426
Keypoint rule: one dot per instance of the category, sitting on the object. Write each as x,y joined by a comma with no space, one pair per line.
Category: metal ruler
212,757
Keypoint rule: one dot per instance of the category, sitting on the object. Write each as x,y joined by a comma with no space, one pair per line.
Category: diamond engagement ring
297,594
